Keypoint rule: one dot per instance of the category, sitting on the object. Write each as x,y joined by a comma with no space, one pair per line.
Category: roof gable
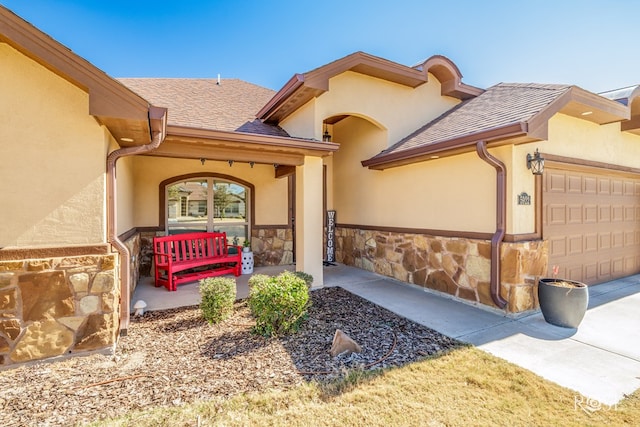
301,88
504,111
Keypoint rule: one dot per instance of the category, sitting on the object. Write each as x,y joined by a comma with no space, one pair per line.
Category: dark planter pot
563,306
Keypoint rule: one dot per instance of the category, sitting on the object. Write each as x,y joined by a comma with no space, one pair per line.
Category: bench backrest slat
188,246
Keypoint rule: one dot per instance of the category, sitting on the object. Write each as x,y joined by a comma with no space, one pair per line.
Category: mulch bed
173,357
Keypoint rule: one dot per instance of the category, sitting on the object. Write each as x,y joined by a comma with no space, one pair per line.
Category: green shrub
308,279
218,295
278,303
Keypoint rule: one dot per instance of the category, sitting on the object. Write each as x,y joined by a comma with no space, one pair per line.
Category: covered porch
264,190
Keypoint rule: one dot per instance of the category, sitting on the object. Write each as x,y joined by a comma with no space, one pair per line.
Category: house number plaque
524,199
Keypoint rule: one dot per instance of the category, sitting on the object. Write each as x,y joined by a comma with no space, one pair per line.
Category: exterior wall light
326,136
230,163
535,162
202,160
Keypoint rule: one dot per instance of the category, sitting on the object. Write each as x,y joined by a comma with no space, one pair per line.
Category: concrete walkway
600,360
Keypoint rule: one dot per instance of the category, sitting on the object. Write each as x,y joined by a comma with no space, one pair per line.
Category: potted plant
246,246
562,302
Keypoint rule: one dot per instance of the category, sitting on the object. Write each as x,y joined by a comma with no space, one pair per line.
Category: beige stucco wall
396,108
456,193
271,194
52,178
569,137
125,194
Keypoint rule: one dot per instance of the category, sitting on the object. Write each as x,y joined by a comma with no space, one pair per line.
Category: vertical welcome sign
331,236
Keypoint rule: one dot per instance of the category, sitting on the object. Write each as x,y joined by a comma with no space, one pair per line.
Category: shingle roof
202,103
500,105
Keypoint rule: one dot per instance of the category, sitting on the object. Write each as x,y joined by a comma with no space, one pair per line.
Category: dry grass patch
463,387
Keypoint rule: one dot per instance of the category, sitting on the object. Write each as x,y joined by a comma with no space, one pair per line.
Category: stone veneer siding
140,247
272,246
56,306
457,266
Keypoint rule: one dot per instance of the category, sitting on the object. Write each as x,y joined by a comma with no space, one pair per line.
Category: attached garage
591,219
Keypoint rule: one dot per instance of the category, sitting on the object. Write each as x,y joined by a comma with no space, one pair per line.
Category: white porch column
309,220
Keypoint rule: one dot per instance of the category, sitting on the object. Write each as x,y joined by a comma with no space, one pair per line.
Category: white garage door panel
592,224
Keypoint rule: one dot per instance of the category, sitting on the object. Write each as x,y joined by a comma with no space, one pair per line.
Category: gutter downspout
125,256
501,214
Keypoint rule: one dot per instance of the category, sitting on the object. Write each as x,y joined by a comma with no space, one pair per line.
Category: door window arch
208,204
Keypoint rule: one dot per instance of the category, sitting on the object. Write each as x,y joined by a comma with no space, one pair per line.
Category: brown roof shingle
202,103
500,105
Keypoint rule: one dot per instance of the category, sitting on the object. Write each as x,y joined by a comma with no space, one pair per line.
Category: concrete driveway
600,360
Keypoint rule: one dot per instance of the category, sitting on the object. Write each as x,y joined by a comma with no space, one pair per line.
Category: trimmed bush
278,303
218,295
308,279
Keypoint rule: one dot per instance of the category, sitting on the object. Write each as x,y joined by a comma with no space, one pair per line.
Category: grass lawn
461,388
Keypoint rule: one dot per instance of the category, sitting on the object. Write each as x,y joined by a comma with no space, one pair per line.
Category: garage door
592,223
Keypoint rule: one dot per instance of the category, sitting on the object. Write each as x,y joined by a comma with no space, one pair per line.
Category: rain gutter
158,134
501,214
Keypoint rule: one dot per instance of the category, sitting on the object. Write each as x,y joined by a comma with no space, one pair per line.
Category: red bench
176,254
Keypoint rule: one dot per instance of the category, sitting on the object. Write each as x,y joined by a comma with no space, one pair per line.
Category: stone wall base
459,267
57,306
272,246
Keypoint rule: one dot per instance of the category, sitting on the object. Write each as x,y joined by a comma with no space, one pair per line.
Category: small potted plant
562,302
246,246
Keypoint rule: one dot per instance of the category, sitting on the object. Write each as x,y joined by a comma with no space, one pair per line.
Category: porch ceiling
191,143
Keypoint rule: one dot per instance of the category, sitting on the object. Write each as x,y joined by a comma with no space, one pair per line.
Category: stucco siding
271,194
52,178
456,193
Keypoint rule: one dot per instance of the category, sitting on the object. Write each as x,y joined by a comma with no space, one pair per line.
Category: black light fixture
251,164
326,136
230,163
202,160
535,162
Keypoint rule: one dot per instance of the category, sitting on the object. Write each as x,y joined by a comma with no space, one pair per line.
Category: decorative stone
39,265
343,343
440,281
449,265
6,279
72,323
420,277
409,260
4,345
468,294
478,267
457,246
484,294
392,256
436,245
80,282
98,332
11,265
521,299
10,328
484,250
108,262
510,266
103,282
8,299
108,302
90,304
41,340
45,296
399,273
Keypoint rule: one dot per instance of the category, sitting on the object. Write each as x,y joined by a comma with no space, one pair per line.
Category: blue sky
593,44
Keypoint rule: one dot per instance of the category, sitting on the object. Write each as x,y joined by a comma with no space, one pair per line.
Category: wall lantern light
230,163
251,164
202,160
535,162
326,136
